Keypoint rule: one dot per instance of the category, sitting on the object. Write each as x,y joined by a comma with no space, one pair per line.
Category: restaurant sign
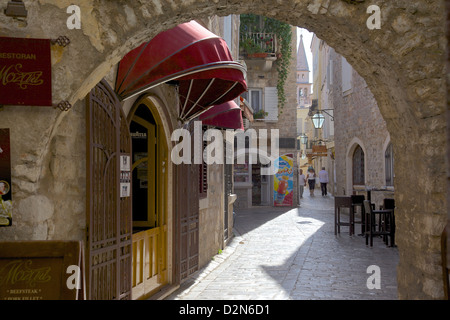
42,270
25,72
318,151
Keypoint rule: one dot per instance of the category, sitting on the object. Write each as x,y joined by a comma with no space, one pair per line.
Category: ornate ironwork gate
187,193
109,215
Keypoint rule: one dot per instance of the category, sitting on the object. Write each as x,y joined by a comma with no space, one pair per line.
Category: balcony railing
258,42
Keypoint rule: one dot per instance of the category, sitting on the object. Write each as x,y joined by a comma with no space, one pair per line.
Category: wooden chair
385,217
358,201
389,203
339,203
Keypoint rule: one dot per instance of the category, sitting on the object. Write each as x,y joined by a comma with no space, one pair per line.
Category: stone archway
402,63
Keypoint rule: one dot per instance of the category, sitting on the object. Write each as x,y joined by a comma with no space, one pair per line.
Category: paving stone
293,254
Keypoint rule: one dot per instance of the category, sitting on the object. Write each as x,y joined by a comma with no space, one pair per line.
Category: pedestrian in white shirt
301,183
311,180
323,178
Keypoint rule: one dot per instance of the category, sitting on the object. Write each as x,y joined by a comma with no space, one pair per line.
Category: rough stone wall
211,216
403,64
48,187
357,116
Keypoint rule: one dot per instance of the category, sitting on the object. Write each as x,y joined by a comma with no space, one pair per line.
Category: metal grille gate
187,193
109,220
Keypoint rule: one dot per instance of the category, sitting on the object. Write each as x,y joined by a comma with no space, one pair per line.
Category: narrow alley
293,254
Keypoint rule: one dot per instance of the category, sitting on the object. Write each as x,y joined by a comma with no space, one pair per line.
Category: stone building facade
321,147
62,214
402,62
358,124
262,78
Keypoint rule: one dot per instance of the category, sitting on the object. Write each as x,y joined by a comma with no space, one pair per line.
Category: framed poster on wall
5,179
284,181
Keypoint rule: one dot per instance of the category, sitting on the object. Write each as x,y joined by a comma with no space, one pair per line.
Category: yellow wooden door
149,219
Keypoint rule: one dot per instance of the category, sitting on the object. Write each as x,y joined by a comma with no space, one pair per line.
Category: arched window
358,166
389,165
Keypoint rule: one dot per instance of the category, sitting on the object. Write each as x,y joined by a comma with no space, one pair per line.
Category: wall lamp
303,139
16,9
318,118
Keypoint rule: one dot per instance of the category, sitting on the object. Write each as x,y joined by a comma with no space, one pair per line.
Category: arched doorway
358,165
149,181
355,167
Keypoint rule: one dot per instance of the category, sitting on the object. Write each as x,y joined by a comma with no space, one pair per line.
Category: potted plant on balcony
251,23
252,49
261,114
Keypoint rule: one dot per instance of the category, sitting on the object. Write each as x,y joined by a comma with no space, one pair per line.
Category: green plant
261,114
283,31
249,46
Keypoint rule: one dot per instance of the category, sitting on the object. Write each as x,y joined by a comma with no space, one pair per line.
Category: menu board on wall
5,179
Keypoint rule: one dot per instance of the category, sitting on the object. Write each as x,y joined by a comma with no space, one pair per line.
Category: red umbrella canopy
197,59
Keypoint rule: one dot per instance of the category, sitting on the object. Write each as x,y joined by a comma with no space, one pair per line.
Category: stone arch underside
402,63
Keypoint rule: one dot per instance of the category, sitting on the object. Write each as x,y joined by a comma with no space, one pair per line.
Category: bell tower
303,84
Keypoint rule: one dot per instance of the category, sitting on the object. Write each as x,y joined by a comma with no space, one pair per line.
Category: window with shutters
358,166
254,98
203,170
346,77
271,103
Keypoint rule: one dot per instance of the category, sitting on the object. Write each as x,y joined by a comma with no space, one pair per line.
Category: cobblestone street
292,253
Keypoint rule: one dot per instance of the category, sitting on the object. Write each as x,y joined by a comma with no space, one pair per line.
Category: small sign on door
125,176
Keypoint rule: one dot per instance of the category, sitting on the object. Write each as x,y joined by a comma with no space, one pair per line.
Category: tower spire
302,62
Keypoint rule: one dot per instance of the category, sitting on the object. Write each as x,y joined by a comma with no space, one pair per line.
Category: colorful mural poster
283,181
5,179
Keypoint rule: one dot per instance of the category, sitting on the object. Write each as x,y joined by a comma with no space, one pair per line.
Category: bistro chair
358,201
341,202
389,203
385,217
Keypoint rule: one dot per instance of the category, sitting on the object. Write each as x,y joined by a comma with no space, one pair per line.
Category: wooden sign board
41,270
319,149
25,72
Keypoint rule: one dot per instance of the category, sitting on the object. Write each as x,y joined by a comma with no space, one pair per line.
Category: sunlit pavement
292,253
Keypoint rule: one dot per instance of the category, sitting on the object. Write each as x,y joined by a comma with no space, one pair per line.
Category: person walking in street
311,180
323,178
301,183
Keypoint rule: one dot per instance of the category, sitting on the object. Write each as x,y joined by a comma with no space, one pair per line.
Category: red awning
197,59
227,115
